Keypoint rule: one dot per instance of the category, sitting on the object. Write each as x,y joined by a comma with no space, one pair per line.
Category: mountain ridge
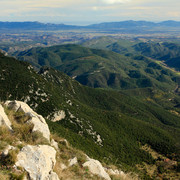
107,25
166,52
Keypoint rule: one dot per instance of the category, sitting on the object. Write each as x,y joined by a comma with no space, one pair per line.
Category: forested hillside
114,124
101,68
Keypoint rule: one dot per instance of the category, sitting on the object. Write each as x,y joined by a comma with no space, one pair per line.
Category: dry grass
6,135
2,145
22,131
153,153
168,169
76,173
11,158
4,176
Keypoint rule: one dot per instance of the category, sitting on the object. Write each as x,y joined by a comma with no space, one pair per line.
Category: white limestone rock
38,161
39,125
96,168
54,144
37,120
4,119
53,176
63,166
58,116
18,106
116,172
72,161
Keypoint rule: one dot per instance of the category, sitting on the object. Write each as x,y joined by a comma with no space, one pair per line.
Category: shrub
6,136
10,159
38,138
15,176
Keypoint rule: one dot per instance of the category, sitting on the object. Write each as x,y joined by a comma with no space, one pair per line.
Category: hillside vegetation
101,68
114,124
167,52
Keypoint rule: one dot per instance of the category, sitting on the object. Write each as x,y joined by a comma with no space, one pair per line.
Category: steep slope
33,155
99,68
108,125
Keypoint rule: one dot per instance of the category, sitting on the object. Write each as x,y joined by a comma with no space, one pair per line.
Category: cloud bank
88,11
115,1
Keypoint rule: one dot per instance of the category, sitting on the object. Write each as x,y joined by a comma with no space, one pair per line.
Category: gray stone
54,144
58,116
95,167
72,161
4,120
38,161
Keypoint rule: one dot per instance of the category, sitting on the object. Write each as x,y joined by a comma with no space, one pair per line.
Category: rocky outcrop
38,161
72,161
95,167
37,120
116,172
4,119
58,116
19,106
54,144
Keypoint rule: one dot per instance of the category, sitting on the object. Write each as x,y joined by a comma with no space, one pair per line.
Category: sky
84,12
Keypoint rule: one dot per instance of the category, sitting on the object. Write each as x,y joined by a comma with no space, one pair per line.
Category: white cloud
115,1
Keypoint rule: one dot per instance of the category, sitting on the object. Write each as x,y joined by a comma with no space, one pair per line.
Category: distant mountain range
33,26
104,26
131,23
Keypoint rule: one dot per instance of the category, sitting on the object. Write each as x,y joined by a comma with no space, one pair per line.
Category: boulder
4,119
58,116
72,161
38,161
18,106
95,167
115,172
37,120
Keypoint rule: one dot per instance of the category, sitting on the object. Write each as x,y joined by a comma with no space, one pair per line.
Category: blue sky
88,11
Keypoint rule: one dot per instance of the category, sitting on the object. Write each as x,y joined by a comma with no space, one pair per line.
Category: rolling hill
102,68
167,52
